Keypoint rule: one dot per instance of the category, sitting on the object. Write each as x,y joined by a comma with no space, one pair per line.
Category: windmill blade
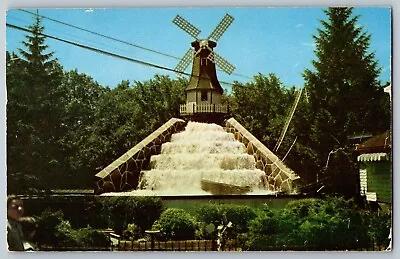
185,61
186,26
223,64
221,27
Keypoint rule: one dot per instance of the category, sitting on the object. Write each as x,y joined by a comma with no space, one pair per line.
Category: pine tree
40,94
346,97
19,128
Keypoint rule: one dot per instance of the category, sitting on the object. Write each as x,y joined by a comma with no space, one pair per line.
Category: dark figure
29,227
15,236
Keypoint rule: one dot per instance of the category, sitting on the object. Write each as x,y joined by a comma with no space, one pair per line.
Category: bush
176,224
262,232
239,215
88,237
131,232
47,227
379,228
56,232
123,210
311,224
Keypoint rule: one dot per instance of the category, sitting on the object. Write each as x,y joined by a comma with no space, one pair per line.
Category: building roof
376,144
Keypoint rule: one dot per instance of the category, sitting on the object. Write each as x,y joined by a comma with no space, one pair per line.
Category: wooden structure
204,92
376,168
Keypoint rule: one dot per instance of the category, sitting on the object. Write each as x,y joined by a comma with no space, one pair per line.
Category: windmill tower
204,92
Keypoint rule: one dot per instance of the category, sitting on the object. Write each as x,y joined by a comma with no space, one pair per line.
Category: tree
82,100
35,111
126,115
345,95
19,129
261,106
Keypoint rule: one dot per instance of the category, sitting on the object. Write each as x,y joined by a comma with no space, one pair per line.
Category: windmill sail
223,64
185,61
186,26
221,27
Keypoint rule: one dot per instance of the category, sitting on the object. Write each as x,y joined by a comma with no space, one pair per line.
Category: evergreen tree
345,95
40,97
19,128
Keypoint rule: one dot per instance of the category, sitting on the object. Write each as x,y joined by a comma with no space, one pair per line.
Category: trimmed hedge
176,224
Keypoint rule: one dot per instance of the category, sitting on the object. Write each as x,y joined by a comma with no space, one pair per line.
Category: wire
99,34
107,53
114,39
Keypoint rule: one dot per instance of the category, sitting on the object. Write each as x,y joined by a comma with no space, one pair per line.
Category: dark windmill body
204,92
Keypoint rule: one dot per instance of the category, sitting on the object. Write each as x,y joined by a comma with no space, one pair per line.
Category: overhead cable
105,52
112,38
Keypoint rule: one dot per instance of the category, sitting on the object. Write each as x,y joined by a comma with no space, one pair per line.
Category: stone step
204,135
198,146
188,161
181,180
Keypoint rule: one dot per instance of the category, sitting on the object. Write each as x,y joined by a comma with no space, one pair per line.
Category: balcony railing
193,108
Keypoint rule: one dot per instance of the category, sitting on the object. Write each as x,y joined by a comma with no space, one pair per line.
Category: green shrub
176,224
239,215
211,213
88,237
54,231
379,228
47,227
310,224
123,210
262,232
148,209
131,232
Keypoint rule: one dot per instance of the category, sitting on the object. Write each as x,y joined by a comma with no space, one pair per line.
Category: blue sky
260,40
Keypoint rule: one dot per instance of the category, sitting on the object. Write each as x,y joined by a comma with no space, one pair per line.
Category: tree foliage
342,97
34,112
345,95
63,127
261,105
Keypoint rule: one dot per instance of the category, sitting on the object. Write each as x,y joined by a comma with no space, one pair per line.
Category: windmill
204,92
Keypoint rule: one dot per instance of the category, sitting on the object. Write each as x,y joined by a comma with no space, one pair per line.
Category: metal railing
177,245
193,108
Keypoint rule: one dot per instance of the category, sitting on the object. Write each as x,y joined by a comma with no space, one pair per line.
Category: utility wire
114,39
106,52
99,34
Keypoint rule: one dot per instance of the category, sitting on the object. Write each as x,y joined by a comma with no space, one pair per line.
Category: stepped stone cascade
192,158
203,159
123,174
279,177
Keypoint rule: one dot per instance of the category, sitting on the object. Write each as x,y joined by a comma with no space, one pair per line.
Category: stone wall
279,177
123,174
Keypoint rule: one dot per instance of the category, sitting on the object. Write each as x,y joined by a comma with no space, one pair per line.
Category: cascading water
203,159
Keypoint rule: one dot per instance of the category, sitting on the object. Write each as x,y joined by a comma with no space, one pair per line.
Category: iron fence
176,245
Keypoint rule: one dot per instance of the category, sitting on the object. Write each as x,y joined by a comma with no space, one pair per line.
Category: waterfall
203,159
